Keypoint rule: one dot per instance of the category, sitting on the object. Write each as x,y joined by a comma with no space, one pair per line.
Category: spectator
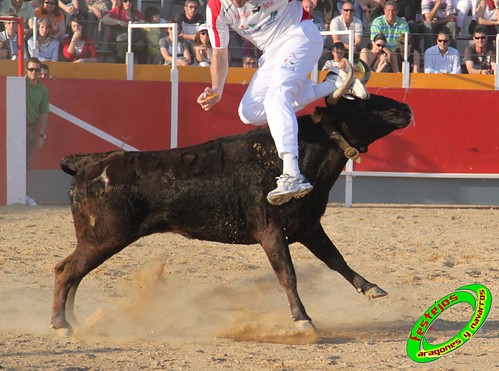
344,22
378,56
190,20
71,8
49,9
487,14
480,58
153,35
397,56
309,6
202,49
4,50
338,52
390,25
21,9
118,18
359,7
250,61
9,35
410,10
96,9
438,15
37,108
462,8
166,48
47,48
442,58
45,72
77,46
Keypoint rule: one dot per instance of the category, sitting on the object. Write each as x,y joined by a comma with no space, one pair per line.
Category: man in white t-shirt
291,46
347,21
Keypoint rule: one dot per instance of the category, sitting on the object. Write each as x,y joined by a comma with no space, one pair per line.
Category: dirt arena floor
167,302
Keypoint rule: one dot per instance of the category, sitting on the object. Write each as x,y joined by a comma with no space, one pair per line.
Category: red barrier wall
454,131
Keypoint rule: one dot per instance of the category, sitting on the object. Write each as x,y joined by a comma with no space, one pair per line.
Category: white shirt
338,24
435,62
260,22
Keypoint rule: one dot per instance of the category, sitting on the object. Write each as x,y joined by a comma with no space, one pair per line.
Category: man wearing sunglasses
480,58
291,45
37,108
442,58
347,21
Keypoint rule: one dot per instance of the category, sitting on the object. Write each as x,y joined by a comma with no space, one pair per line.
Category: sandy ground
171,303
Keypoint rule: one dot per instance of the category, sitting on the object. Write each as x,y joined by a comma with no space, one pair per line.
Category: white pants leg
462,8
281,86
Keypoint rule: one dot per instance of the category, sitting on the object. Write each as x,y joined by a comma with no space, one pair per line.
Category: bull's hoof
374,292
305,326
64,332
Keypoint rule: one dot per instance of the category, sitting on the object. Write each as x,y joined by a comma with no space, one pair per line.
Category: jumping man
291,46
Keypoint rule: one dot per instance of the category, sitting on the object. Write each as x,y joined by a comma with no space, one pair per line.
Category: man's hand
208,99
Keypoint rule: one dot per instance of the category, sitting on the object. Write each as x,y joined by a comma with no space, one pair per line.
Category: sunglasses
480,37
49,3
348,10
33,69
380,45
402,43
203,33
192,7
127,1
443,41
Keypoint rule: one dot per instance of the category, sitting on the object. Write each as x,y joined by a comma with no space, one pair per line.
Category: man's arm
43,129
219,69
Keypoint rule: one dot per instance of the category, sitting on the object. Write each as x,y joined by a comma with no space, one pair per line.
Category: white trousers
281,86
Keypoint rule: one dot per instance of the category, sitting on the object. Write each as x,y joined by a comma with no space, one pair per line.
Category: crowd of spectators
77,30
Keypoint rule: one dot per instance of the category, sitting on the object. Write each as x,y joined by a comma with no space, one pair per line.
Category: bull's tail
72,163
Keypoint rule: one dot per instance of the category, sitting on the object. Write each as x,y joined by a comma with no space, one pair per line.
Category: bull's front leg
62,286
318,242
276,247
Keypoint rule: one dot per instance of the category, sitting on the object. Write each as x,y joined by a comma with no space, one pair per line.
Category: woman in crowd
397,56
49,9
46,46
202,47
378,56
77,47
166,48
118,18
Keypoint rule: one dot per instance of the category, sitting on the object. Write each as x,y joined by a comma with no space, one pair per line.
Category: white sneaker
30,201
289,187
357,89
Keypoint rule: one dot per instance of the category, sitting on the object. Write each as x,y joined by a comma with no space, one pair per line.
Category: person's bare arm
43,129
219,69
432,13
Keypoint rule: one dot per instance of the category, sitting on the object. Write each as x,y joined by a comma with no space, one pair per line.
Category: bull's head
360,122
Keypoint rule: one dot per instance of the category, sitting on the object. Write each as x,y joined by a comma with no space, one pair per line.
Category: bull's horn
347,81
367,72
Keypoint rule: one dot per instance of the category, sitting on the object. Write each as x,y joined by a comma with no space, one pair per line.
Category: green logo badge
480,299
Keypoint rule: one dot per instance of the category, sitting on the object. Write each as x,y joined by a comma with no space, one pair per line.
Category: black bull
216,191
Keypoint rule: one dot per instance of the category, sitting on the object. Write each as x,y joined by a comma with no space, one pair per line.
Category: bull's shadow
217,191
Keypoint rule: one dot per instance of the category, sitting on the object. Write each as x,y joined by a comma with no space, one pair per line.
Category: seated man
438,15
480,58
390,25
442,58
344,22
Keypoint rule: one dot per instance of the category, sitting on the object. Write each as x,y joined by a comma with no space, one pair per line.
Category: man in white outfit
291,46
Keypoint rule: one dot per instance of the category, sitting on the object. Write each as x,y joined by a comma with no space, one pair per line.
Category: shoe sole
285,197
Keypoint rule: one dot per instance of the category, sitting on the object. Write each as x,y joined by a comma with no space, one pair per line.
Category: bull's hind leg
276,247
68,273
318,242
